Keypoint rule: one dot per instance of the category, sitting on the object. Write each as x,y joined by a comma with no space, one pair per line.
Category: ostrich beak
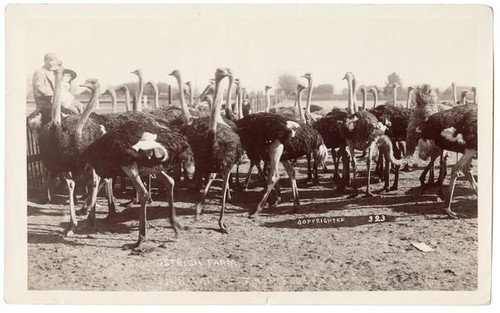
86,86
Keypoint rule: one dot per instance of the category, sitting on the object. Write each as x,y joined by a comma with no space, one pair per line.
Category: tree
393,78
324,88
287,83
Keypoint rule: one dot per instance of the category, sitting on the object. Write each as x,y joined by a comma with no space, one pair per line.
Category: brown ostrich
156,94
126,93
426,104
454,130
112,93
409,96
362,131
62,142
216,147
374,92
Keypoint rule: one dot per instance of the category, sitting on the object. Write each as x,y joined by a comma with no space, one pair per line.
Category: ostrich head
92,84
349,76
373,90
363,90
237,82
307,76
464,93
176,74
300,88
221,73
425,95
410,89
137,72
267,87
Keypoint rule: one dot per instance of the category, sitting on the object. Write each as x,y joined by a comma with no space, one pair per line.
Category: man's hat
70,72
50,56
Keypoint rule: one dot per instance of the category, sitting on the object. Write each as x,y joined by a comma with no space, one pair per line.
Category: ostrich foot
393,188
70,230
253,213
450,213
385,189
223,228
368,195
137,246
406,168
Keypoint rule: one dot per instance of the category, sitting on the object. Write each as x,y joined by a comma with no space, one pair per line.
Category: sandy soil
332,243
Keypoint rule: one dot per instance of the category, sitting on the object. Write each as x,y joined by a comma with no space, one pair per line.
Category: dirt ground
332,243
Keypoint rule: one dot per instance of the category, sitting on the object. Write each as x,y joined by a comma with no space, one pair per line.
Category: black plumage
113,154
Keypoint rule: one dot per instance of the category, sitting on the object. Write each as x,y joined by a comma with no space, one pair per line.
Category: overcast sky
261,43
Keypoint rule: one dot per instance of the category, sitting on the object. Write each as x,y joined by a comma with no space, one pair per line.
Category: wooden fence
35,169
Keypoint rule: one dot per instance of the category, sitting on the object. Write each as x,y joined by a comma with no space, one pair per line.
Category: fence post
169,94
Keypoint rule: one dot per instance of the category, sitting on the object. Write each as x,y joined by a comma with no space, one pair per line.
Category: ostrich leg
397,153
225,191
386,170
197,207
368,167
354,194
291,174
169,185
133,173
109,196
73,223
95,187
464,160
276,150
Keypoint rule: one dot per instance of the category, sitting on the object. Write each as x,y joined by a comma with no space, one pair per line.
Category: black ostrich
139,148
62,142
330,128
396,119
216,147
453,130
273,138
363,131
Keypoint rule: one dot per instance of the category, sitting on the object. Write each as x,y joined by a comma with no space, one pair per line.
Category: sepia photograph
289,152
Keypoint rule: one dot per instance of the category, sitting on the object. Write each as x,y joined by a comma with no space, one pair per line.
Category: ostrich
238,108
362,131
216,147
309,97
374,92
268,98
156,93
112,93
126,92
454,93
190,93
363,93
138,149
454,130
474,92
228,107
395,119
394,87
62,142
463,97
138,97
408,97
426,104
329,127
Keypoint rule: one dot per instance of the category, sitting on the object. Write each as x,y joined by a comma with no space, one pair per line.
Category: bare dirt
332,243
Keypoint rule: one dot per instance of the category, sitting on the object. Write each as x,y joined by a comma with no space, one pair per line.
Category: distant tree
393,78
288,83
324,88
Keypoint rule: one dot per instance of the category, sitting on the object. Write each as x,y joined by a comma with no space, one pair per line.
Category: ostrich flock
192,144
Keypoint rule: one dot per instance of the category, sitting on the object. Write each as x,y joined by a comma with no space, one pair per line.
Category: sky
260,43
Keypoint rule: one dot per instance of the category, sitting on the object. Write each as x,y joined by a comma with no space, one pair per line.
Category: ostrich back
61,146
257,131
213,154
306,141
365,130
330,127
289,113
113,150
398,116
463,118
113,120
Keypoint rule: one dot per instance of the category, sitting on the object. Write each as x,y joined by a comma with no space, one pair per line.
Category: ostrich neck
112,93
363,105
309,98
191,96
354,100
394,96
56,101
454,92
127,99
268,101
408,99
140,93
184,108
299,104
215,114
228,97
375,100
155,96
350,109
475,96
94,99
